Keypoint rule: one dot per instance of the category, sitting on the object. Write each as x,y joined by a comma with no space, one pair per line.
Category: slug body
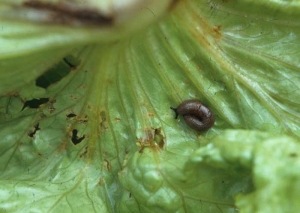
195,114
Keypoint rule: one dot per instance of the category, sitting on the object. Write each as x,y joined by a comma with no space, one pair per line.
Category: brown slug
196,115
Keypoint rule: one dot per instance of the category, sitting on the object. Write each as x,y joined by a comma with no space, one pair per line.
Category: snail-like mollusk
196,115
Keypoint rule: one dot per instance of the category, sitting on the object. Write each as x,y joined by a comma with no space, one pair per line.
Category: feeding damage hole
154,139
159,138
71,115
75,139
32,133
56,73
35,103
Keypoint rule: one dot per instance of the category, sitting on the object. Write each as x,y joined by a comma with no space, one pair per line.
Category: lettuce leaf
85,118
270,158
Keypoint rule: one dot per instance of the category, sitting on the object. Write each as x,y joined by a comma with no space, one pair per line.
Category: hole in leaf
53,75
71,115
35,103
36,128
75,139
159,138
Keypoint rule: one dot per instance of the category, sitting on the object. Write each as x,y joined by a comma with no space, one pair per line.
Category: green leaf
85,118
272,159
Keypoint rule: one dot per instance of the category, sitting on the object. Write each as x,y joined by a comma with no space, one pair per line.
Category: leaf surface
86,124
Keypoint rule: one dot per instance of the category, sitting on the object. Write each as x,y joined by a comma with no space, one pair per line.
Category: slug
196,115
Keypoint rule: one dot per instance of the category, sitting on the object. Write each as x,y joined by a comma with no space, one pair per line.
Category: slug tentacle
196,115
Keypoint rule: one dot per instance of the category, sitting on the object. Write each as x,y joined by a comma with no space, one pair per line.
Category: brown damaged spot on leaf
150,115
159,138
62,147
65,14
78,118
107,165
82,119
103,122
173,4
208,36
217,31
73,97
84,153
101,181
51,106
153,139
